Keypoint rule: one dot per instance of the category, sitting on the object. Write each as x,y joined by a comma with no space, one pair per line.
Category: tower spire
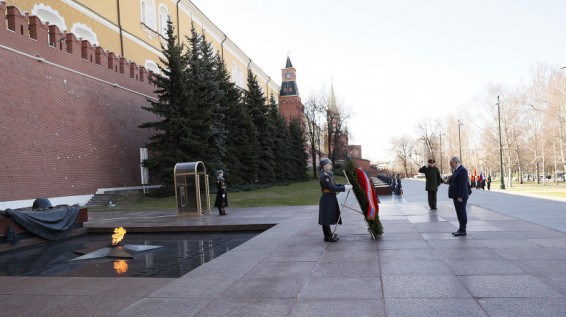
332,99
288,65
290,105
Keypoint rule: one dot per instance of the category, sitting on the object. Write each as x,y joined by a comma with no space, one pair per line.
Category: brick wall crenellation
63,133
29,35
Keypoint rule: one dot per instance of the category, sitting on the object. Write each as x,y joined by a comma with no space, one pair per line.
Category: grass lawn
548,189
296,194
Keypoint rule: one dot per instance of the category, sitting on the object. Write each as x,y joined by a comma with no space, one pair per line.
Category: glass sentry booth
191,189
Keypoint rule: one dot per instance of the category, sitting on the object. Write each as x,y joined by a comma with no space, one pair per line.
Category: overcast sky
394,63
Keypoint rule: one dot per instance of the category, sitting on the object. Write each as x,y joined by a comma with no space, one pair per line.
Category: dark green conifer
281,143
255,103
297,150
236,122
213,102
203,102
171,111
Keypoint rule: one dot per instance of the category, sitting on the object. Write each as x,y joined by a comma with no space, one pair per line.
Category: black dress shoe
330,239
459,233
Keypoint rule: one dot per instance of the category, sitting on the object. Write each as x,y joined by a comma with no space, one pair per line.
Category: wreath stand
347,207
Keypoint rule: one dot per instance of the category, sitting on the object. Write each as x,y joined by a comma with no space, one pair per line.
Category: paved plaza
512,263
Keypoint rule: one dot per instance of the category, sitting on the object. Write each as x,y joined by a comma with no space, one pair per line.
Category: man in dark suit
458,191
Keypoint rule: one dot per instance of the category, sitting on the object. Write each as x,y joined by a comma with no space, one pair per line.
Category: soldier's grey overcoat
328,209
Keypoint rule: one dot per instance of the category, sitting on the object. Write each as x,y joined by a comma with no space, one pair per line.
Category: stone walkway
506,266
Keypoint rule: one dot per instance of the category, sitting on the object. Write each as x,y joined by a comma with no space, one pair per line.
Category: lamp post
441,171
502,186
459,139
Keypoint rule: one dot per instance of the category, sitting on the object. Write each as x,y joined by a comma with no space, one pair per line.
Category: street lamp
500,147
440,135
459,139
542,147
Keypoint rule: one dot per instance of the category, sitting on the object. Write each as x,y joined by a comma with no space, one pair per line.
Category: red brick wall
291,107
355,151
363,164
64,133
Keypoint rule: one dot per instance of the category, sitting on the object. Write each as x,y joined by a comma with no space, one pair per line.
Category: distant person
398,186
473,180
393,184
488,182
433,180
221,194
328,209
458,190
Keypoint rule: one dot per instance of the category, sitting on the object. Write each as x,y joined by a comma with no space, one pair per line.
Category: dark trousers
432,199
326,230
461,213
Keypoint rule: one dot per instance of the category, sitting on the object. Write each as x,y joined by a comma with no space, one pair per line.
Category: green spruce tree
244,136
297,151
255,103
281,143
171,111
240,146
202,104
214,96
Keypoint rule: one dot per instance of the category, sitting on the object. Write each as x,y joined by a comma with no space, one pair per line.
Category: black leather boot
328,237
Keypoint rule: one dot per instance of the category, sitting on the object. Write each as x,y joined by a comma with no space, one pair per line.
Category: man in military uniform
433,180
328,210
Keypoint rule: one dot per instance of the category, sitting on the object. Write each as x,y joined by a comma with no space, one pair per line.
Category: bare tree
557,107
536,99
336,128
429,133
314,113
404,148
529,120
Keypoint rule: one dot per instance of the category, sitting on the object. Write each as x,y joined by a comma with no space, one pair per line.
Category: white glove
348,187
223,195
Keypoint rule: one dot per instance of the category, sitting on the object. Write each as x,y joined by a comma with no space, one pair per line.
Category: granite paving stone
408,255
542,267
347,269
510,264
423,286
402,244
339,288
437,307
260,307
165,306
524,307
416,267
530,253
550,243
483,267
271,287
306,307
483,286
556,281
